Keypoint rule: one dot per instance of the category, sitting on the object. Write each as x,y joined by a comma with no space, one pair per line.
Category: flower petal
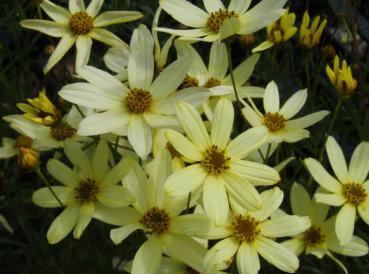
83,45
85,215
213,5
63,224
62,173
148,257
65,43
184,48
55,12
185,12
107,37
118,172
248,259
116,216
277,255
337,159
271,98
355,248
252,117
359,164
76,6
118,235
330,199
218,62
44,198
243,71
185,181
294,104
50,28
100,160
94,7
185,32
115,196
307,120
345,216
140,136
322,176
283,226
300,201
77,156
215,200
295,245
183,146
222,123
115,17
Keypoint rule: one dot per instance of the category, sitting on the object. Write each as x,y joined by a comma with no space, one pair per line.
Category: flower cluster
155,147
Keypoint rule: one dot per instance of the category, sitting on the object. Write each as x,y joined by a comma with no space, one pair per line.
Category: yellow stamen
81,23
138,101
215,161
216,19
245,228
354,193
274,121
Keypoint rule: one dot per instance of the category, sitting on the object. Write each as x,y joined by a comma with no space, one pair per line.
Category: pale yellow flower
351,188
78,25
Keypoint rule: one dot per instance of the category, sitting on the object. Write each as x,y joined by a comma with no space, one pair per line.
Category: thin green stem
232,74
46,182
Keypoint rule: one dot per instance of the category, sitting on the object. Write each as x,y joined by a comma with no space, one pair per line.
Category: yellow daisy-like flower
218,22
320,239
134,108
279,127
341,78
78,25
350,190
310,35
41,110
279,32
217,166
90,187
247,234
158,215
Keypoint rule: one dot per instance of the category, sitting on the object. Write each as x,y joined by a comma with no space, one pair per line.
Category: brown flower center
81,23
212,82
138,101
276,34
216,19
314,236
62,132
189,82
215,161
274,121
245,228
23,141
156,220
87,191
354,193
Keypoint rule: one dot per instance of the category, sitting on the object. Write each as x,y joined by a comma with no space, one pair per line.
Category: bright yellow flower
40,110
78,25
310,36
28,158
341,78
279,31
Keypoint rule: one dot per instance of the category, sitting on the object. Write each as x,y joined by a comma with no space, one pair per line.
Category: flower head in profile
217,168
350,190
89,187
41,110
320,239
134,108
158,215
78,25
277,120
249,234
341,77
310,34
279,31
219,22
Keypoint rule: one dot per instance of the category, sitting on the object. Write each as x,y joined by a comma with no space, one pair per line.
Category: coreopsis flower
350,190
279,31
310,34
214,76
248,234
158,215
90,184
116,58
341,77
48,137
41,110
217,166
218,22
277,120
133,109
320,239
79,25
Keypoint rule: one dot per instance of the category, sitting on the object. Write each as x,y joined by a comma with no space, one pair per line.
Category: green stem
46,182
232,74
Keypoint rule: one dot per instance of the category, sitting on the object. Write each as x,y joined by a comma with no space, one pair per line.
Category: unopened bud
28,158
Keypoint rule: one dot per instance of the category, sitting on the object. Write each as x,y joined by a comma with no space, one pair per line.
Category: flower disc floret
138,101
156,220
81,23
314,236
189,82
245,228
87,191
354,193
62,132
215,160
274,121
216,19
212,82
